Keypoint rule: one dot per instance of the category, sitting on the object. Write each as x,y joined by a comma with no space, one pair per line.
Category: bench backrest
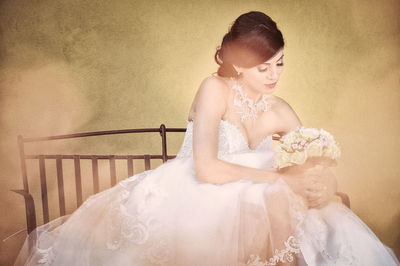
43,160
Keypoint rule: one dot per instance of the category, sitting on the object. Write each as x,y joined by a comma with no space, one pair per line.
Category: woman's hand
317,185
300,183
321,191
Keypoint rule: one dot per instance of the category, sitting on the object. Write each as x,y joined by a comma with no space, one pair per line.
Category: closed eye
265,69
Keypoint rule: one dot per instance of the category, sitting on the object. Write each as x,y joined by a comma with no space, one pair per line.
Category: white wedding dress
164,216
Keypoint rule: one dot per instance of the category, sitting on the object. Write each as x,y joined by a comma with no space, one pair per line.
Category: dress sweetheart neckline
242,136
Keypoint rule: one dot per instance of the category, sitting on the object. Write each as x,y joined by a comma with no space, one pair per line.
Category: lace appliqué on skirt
292,244
47,256
341,253
137,226
284,255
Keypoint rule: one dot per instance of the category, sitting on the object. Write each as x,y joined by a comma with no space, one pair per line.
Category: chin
270,90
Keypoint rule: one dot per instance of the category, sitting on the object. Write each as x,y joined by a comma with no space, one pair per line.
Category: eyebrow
276,60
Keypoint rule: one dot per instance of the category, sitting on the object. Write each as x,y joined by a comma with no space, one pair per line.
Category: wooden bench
30,208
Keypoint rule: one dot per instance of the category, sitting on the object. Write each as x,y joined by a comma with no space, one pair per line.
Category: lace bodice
231,140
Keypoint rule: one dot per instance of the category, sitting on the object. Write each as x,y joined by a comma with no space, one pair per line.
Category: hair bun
252,39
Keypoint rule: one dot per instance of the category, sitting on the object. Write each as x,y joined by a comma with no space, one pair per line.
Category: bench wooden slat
60,182
163,134
147,162
43,189
95,172
130,165
78,180
113,172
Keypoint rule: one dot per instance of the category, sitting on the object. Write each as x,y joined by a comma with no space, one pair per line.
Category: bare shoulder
286,114
282,105
212,89
214,85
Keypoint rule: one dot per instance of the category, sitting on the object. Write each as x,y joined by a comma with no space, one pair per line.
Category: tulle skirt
166,217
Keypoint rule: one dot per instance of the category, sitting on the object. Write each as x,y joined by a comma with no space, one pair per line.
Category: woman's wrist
275,175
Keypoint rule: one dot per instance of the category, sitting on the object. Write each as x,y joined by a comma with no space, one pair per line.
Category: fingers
317,199
316,187
313,177
316,171
315,205
313,196
318,204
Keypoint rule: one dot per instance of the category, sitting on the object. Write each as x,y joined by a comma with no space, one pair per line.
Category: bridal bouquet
304,144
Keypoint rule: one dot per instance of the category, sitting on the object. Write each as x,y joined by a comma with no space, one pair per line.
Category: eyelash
265,69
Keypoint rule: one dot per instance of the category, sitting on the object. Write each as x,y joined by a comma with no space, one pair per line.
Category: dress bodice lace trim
230,140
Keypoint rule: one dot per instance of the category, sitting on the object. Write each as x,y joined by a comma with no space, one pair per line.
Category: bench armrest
344,197
29,209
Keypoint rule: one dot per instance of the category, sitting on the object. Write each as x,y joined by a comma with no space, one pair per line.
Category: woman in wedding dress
219,202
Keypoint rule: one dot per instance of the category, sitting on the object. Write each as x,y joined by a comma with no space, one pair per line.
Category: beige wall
75,66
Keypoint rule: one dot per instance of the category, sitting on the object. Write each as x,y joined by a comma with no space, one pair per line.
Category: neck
251,93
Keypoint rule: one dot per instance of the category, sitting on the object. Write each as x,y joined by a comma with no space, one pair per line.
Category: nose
272,74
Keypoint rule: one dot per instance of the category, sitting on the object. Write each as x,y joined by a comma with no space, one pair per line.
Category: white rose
287,143
327,135
314,148
310,133
285,146
282,159
298,157
332,151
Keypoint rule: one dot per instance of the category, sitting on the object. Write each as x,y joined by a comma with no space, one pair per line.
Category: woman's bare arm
326,178
210,107
288,118
221,172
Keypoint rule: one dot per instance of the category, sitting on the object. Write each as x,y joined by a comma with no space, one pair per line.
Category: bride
219,202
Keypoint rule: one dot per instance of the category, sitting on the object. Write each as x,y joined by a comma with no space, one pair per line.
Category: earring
237,72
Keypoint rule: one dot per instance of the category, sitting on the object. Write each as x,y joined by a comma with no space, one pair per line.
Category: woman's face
262,78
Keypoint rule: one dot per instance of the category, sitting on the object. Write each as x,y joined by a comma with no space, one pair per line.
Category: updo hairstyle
252,39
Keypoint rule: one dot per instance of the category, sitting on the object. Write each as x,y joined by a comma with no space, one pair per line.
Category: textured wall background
75,66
